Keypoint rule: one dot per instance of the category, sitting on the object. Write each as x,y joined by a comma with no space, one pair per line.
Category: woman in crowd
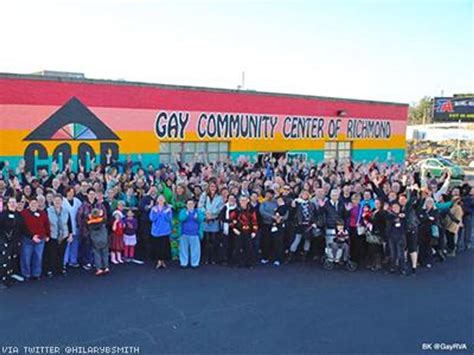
72,204
191,230
428,230
245,228
60,237
211,203
376,236
10,240
178,200
453,222
161,217
227,215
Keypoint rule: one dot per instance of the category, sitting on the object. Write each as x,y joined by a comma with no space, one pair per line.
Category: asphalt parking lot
292,309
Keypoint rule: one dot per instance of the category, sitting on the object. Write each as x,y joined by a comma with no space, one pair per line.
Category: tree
420,112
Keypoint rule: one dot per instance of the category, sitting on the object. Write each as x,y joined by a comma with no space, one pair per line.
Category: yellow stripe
12,144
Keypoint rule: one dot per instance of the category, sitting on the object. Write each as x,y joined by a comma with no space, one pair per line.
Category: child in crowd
117,244
340,244
100,242
130,236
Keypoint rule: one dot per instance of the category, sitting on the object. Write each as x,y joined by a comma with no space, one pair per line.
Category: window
337,150
189,151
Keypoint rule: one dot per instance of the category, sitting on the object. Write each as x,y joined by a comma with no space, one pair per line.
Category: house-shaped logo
72,122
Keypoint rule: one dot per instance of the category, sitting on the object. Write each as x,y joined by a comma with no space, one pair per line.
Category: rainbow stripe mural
43,118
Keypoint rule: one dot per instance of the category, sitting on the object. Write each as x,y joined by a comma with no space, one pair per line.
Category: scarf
228,209
306,212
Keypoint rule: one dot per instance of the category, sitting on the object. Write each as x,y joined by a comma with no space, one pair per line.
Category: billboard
449,109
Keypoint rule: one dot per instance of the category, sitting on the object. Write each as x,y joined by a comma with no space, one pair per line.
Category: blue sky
382,50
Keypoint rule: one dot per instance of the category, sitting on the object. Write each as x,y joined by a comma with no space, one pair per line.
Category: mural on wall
72,122
45,120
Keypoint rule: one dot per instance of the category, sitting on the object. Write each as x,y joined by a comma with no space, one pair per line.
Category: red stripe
42,92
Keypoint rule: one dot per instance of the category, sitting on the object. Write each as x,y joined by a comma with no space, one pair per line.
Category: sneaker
138,262
49,274
106,270
452,254
87,267
17,277
276,263
428,266
99,272
264,261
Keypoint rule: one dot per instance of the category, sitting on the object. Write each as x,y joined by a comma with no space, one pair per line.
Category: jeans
397,251
343,255
85,251
189,249
71,256
296,242
101,257
31,258
465,233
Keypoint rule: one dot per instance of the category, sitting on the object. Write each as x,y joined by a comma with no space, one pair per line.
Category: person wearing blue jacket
211,202
190,220
161,218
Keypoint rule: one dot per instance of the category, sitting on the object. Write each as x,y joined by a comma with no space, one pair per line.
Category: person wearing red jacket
245,228
35,231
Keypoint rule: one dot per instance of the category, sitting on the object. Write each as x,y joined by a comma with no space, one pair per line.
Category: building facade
52,118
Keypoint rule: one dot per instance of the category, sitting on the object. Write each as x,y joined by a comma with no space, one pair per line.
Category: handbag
317,232
372,238
434,231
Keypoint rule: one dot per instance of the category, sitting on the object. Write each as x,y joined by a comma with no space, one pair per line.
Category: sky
380,50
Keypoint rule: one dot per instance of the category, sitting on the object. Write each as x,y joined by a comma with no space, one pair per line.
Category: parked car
437,166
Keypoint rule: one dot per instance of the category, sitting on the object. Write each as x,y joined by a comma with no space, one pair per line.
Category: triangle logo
73,121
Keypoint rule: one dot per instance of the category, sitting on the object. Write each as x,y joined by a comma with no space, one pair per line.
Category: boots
113,260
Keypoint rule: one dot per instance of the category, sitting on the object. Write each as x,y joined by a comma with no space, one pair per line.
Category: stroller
337,252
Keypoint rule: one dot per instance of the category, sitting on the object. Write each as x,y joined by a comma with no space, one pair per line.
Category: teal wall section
381,155
359,155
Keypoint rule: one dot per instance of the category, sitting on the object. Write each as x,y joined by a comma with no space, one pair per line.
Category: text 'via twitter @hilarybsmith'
70,350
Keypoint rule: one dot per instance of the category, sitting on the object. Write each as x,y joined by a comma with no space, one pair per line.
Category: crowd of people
377,216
